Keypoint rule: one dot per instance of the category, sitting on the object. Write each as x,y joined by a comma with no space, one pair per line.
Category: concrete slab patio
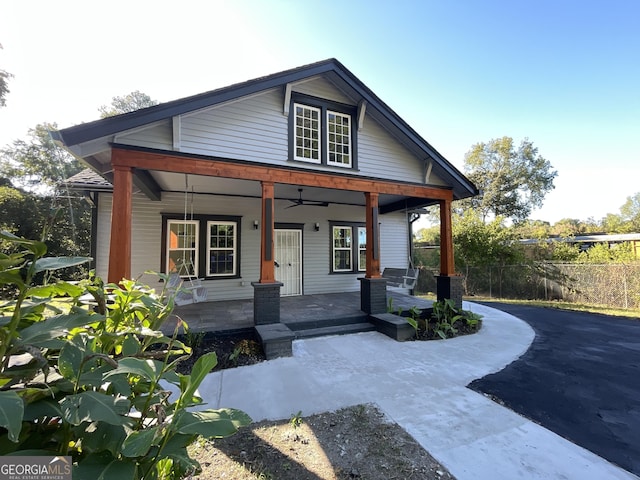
422,387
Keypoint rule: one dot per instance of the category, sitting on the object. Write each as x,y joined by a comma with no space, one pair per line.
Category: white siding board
322,88
157,136
252,130
381,155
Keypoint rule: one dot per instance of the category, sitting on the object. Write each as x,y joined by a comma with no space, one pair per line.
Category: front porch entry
288,255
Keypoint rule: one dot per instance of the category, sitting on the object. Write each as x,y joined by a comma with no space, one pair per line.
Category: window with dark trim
205,246
348,247
321,132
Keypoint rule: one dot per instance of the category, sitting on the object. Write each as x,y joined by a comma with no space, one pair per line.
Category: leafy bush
443,321
84,370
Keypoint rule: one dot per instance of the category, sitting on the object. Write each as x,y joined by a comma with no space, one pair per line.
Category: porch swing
186,287
399,277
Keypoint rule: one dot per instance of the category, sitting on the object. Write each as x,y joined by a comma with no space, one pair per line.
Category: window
307,133
182,251
339,140
206,246
221,248
342,249
321,132
348,247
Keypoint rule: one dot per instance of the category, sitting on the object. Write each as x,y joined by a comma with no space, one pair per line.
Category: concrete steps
331,326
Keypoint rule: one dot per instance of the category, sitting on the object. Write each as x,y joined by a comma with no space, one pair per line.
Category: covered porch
296,311
260,185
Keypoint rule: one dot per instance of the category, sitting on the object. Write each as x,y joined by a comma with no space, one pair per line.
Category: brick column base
373,295
450,287
266,303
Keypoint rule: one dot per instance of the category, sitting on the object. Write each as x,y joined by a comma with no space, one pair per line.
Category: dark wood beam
373,236
143,180
120,245
270,173
408,204
447,267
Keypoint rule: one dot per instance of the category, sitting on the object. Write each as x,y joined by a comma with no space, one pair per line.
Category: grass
579,307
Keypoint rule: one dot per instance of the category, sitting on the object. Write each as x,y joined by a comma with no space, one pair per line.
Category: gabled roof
332,68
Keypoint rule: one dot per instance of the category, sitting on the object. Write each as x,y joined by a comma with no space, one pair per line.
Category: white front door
288,256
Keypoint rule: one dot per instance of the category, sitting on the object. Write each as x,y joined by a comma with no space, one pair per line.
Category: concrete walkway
422,387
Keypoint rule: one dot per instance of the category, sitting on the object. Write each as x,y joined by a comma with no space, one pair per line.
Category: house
585,242
296,183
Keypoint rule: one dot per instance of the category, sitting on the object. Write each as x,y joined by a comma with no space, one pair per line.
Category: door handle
276,264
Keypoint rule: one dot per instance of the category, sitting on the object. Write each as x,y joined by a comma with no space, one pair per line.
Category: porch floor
238,314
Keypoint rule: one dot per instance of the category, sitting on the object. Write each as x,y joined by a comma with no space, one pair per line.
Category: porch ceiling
178,182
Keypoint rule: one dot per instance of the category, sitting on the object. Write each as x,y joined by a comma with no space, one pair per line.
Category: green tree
603,253
613,223
126,103
37,164
477,243
4,85
512,181
13,205
630,212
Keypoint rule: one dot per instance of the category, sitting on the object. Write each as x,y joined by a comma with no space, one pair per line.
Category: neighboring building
587,241
297,183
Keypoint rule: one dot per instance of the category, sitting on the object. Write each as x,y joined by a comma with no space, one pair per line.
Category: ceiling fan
296,202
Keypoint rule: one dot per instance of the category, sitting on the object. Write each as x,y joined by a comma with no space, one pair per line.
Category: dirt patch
353,443
235,349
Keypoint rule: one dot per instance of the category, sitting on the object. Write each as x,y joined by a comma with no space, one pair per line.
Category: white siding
159,136
253,129
380,155
146,242
321,88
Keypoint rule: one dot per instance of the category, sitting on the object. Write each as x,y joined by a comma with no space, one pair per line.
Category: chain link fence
613,285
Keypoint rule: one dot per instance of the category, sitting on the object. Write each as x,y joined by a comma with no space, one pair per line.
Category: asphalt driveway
580,379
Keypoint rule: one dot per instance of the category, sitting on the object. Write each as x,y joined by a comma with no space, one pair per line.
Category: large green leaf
55,263
147,368
11,413
55,289
104,467
202,367
70,359
94,407
138,443
39,334
12,277
101,437
211,423
34,246
40,409
176,450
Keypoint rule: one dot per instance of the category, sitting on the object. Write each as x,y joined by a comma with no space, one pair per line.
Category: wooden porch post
267,261
373,236
447,267
373,288
120,245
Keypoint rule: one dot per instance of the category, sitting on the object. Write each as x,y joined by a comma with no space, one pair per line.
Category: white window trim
350,144
334,248
295,136
195,248
210,249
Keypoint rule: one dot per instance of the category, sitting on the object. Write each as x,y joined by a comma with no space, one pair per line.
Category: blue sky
565,74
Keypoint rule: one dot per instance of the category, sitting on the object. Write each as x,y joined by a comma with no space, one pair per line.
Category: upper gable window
307,145
339,141
322,132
